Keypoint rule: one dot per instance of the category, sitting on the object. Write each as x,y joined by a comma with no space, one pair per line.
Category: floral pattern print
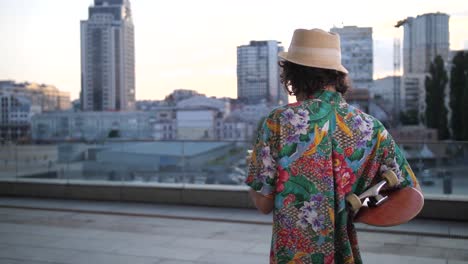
309,155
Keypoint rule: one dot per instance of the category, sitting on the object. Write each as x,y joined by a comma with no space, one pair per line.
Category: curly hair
304,80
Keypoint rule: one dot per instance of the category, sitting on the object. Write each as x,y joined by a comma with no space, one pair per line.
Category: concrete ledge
445,209
161,194
7,188
442,207
91,192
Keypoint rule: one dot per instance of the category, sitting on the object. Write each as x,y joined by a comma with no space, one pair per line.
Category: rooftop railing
441,167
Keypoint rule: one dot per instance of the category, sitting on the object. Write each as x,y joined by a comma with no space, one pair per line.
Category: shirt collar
327,96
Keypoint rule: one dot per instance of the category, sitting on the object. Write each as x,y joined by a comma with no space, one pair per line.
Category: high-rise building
258,73
108,57
357,54
413,93
425,37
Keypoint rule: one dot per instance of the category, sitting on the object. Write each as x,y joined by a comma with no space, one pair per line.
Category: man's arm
263,203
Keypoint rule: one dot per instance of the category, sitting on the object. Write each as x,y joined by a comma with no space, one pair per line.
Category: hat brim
284,56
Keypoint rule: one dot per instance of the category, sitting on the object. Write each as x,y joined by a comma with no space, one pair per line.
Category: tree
458,85
409,117
114,133
436,111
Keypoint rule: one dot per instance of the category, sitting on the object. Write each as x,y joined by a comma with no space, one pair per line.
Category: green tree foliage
114,133
409,117
436,111
459,96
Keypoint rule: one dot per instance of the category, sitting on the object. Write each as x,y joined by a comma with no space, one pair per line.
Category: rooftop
41,231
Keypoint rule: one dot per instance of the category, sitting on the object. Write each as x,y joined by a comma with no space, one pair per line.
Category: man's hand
263,203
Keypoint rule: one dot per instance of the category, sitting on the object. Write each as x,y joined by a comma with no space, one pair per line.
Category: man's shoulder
356,113
279,110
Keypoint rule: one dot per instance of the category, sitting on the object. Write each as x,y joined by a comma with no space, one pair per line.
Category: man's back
309,155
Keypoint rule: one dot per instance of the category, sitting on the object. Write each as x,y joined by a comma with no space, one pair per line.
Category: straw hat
315,48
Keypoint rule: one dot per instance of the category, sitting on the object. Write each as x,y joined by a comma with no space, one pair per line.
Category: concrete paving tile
188,231
132,237
217,257
163,252
57,203
116,226
89,218
32,213
148,221
458,229
456,262
379,247
457,254
30,254
450,243
102,258
429,227
171,261
260,248
391,259
96,245
244,236
49,230
425,251
209,243
200,213
14,239
16,261
387,238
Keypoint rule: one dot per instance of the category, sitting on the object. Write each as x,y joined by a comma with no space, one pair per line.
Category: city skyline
178,48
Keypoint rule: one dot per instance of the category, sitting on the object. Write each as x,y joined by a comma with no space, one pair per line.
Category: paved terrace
40,231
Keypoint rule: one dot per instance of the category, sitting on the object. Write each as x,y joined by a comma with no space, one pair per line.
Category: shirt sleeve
393,158
262,170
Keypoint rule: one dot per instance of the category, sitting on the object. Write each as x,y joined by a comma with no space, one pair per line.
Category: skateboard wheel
354,201
391,178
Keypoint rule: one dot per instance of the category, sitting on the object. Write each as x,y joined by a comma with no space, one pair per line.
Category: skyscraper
357,54
425,37
258,73
108,57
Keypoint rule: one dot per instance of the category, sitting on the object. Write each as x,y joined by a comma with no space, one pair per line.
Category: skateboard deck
402,206
390,207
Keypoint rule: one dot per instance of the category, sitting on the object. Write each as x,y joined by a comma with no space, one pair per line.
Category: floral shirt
309,155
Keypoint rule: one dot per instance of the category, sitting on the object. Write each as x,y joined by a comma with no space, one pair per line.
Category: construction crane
401,23
396,80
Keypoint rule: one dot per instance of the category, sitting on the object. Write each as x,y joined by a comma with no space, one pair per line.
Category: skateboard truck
373,193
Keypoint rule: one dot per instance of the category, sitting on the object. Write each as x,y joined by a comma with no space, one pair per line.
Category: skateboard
383,205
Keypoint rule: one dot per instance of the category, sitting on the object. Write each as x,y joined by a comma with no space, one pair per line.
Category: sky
186,44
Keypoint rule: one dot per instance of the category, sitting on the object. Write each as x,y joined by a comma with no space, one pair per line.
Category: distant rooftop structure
181,94
203,101
46,97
